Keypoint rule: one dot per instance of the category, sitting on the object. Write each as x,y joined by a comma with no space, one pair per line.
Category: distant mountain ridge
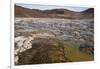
90,10
53,13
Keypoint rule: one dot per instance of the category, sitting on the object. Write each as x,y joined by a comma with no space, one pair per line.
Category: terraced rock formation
53,40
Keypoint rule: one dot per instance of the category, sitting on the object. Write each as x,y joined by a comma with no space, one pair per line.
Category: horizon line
48,7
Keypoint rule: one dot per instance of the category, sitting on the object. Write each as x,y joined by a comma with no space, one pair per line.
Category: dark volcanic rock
90,10
87,48
89,13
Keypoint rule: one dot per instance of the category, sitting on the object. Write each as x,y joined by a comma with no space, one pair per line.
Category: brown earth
53,13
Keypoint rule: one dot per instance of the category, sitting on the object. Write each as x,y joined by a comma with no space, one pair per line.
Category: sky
47,7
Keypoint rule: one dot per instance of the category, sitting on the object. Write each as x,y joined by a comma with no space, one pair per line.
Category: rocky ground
53,40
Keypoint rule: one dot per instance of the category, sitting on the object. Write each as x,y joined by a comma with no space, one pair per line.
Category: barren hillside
53,13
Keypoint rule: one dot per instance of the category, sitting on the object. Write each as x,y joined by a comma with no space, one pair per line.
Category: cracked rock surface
51,40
